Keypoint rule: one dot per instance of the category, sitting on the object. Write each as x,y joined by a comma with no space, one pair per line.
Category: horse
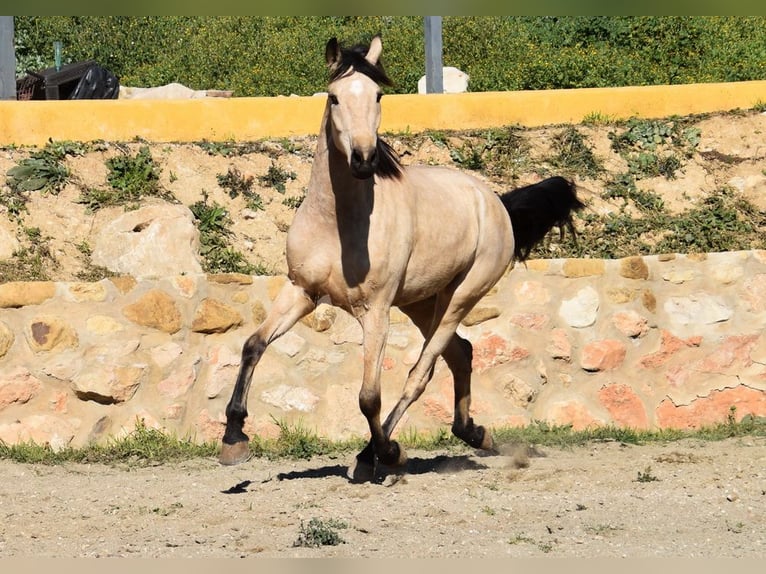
371,234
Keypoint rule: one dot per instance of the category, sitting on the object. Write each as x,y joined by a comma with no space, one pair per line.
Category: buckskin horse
372,234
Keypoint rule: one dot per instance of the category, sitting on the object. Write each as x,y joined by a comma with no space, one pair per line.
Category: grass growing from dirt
131,178
33,261
144,446
218,256
319,532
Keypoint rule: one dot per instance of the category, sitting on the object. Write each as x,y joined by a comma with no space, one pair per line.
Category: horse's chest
346,278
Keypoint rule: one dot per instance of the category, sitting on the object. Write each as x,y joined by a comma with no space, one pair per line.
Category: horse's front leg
375,327
291,304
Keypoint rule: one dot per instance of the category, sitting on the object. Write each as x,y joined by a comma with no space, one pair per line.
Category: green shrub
268,56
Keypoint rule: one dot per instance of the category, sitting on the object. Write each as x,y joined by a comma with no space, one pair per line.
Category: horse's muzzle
361,167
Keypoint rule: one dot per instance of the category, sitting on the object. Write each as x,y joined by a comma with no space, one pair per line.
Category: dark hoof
476,436
487,442
396,456
236,453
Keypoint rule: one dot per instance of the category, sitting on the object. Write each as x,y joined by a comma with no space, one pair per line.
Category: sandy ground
680,499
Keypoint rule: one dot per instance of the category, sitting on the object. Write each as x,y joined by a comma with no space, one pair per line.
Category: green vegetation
33,261
43,170
276,177
237,184
282,55
320,532
218,256
572,156
131,178
146,446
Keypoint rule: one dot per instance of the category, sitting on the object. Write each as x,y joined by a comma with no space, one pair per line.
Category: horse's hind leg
291,304
459,357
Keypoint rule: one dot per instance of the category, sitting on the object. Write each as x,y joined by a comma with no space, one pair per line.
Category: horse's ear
373,54
332,53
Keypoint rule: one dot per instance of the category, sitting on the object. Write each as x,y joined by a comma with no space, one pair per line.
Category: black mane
354,57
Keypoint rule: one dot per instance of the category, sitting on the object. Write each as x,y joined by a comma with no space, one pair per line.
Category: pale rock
165,354
54,431
582,309
48,333
222,364
18,386
454,81
290,344
103,325
754,292
151,242
697,309
630,323
289,398
678,276
6,339
603,355
519,391
532,293
82,292
8,244
178,382
108,383
185,285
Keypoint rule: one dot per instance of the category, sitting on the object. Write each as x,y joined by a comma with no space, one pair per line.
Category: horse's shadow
439,464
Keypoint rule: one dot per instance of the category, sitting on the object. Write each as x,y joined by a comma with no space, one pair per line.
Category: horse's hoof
397,456
487,442
236,453
361,471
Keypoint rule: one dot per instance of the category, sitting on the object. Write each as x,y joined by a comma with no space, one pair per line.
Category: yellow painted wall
243,119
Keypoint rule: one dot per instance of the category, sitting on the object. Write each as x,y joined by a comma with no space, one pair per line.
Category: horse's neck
333,194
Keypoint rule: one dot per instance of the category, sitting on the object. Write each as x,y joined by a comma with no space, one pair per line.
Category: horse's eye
333,99
379,96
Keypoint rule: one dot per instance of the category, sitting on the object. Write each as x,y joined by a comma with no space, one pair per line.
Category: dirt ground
681,499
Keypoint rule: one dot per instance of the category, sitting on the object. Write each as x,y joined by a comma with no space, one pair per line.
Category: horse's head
354,98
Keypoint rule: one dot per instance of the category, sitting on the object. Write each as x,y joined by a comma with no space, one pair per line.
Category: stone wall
643,342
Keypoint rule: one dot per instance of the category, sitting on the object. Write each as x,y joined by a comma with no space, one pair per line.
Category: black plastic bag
96,83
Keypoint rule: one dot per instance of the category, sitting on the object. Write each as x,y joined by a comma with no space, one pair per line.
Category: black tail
535,209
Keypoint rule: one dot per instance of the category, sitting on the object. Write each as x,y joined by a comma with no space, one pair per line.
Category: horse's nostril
356,157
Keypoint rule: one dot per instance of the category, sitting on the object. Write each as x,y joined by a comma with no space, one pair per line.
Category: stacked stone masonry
669,341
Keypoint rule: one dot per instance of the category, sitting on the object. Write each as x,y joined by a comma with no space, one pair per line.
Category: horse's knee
369,404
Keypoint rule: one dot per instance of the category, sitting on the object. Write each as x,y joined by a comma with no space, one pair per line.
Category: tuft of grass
598,119
646,475
320,532
131,178
33,261
276,177
572,154
218,256
237,184
44,170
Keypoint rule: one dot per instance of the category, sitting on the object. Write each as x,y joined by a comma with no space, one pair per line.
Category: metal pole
433,38
7,59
